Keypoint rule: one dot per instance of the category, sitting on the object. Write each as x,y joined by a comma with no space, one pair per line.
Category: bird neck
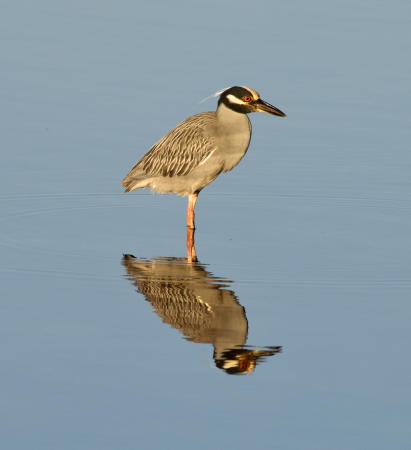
227,116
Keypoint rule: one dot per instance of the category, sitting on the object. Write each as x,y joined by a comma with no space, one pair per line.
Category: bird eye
247,99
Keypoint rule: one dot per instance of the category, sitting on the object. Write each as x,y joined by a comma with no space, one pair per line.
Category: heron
195,152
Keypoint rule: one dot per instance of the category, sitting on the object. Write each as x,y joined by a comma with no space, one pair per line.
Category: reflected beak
262,106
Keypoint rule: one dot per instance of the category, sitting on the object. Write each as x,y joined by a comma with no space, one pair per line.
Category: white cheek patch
233,99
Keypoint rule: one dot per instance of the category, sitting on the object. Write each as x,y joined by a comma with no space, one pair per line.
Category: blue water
304,280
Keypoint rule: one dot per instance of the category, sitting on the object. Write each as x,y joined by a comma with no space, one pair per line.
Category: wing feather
180,151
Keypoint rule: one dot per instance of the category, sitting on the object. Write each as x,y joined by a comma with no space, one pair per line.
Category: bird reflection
200,306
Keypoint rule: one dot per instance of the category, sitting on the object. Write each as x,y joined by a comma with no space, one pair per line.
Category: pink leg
191,250
192,200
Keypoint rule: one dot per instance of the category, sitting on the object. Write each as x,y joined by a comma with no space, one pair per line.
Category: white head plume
216,94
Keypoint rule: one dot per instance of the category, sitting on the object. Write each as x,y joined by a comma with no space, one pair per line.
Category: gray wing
180,151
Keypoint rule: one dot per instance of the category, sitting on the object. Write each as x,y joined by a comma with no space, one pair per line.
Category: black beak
262,106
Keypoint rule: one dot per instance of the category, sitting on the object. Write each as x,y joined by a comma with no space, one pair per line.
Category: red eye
247,99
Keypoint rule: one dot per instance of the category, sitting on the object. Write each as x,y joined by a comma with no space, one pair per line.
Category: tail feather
132,183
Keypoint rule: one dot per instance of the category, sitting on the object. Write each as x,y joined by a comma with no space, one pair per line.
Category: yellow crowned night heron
196,151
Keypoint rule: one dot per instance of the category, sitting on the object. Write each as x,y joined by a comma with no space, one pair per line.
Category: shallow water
303,280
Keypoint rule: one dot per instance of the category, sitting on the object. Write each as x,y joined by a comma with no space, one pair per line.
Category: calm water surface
292,332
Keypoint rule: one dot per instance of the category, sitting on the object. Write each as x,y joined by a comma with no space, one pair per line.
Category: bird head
245,100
